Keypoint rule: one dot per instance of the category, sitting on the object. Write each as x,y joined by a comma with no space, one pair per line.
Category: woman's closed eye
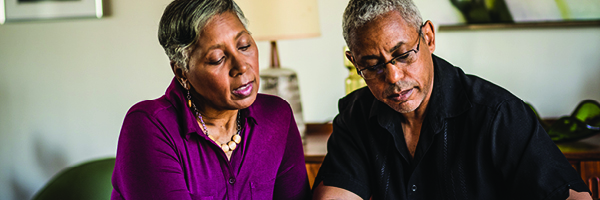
244,48
217,62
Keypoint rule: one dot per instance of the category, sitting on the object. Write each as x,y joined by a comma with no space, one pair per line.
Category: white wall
553,69
66,85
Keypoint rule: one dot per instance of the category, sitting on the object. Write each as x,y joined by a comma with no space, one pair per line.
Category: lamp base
283,82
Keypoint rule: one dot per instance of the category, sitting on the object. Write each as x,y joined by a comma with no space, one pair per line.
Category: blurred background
65,85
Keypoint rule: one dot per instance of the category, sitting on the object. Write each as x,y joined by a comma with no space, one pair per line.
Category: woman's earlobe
184,83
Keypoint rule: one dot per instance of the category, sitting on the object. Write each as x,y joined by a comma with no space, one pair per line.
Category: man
422,129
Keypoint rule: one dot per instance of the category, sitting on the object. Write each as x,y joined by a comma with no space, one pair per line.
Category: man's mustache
399,87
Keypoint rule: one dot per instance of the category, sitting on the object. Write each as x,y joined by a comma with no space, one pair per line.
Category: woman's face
223,67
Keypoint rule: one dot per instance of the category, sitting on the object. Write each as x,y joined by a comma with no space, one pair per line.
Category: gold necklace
235,139
226,147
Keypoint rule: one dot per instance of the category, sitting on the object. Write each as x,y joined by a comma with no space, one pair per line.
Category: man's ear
429,35
350,57
180,75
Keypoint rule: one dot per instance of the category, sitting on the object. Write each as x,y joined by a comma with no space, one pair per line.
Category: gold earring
189,99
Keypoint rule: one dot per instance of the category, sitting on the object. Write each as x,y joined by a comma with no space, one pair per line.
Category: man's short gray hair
359,12
183,21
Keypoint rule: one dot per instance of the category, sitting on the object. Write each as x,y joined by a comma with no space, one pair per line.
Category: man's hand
330,192
574,195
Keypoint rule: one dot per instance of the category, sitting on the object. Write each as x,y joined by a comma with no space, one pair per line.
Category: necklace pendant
225,148
236,138
232,145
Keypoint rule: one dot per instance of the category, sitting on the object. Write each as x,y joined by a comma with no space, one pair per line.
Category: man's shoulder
485,93
359,100
478,90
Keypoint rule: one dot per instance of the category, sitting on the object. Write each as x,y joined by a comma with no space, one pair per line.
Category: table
584,156
315,148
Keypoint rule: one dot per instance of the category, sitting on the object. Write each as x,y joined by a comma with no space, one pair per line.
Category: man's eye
374,68
371,68
403,56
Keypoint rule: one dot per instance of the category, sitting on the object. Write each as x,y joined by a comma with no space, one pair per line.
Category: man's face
405,85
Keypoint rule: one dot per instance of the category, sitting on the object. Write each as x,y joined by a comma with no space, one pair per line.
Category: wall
65,85
553,69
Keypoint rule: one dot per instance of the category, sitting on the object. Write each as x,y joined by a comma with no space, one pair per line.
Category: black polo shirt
478,141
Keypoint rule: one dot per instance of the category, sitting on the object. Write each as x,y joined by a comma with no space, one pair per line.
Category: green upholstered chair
90,180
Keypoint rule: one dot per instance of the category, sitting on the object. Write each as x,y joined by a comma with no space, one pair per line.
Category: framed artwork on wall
19,10
493,14
553,11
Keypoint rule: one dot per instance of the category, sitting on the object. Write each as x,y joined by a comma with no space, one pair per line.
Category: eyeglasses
378,69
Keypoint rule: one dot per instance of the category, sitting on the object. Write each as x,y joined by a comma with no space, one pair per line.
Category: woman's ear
429,35
180,75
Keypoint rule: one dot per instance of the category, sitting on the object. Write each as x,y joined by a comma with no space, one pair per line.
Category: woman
211,136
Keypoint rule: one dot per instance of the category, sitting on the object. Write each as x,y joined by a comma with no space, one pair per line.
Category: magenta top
163,154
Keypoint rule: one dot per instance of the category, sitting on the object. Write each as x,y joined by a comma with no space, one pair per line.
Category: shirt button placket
230,189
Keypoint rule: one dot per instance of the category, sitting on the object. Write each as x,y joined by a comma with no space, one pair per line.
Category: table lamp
353,81
272,20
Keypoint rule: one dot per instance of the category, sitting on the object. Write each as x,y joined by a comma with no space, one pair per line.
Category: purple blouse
163,154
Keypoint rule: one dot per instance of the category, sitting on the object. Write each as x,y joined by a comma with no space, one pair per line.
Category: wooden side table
315,148
584,156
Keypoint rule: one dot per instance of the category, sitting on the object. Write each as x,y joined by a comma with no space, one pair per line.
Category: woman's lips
244,90
402,96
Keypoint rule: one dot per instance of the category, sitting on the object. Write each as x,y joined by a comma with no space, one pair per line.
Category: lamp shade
281,19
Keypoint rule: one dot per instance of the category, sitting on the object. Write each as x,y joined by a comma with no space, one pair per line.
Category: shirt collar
176,95
448,99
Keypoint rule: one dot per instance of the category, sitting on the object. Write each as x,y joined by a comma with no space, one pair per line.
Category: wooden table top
315,142
585,149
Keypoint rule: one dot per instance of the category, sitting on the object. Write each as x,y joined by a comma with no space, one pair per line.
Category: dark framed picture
527,11
19,10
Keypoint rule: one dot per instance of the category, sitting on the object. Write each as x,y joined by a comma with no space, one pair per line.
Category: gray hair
183,21
359,12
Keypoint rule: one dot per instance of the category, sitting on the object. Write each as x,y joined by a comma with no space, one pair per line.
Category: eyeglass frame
393,60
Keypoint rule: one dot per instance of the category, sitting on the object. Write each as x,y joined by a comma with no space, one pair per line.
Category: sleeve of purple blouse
147,166
292,179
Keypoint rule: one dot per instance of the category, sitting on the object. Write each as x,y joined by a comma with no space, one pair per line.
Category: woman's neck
222,119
